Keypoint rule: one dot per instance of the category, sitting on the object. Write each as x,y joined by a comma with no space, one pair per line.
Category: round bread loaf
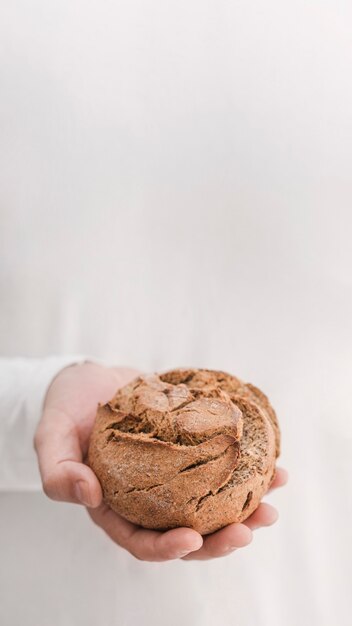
189,447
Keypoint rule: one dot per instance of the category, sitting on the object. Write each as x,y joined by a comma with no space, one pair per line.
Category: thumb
64,475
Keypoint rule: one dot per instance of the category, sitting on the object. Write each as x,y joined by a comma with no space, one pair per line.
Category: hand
61,442
184,543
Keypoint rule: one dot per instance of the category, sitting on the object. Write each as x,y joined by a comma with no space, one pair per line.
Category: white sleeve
23,385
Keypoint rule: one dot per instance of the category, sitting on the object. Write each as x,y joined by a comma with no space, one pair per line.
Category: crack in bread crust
188,468
173,413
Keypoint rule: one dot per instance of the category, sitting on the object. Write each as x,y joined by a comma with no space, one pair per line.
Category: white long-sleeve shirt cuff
23,386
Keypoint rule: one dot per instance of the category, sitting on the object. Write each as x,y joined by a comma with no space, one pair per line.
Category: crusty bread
189,447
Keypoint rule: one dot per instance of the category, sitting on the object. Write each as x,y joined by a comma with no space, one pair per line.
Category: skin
61,442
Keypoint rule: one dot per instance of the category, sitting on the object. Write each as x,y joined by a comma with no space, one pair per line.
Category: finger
264,515
222,542
146,545
163,546
281,478
64,476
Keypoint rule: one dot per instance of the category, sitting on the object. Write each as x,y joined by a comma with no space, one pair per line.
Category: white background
176,190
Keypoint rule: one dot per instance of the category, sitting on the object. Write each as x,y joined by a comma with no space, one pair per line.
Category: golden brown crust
188,447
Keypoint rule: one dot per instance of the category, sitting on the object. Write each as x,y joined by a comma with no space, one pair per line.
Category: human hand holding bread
180,453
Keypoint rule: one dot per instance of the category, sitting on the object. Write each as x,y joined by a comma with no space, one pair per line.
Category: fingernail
82,492
183,553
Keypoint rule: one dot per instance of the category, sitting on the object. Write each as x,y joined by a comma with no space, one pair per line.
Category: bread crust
187,447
